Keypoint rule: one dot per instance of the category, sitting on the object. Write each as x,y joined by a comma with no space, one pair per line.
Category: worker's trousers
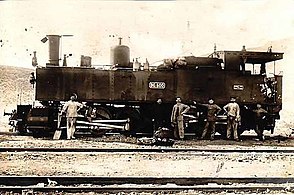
232,124
71,127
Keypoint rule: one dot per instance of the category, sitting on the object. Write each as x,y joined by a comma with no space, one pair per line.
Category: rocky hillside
15,88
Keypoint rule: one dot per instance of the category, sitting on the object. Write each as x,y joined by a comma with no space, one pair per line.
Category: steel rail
147,150
106,184
111,180
166,189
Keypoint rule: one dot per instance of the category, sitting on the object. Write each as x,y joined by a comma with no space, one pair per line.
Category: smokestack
54,41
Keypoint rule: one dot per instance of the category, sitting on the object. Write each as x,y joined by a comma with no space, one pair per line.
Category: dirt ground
248,140
169,164
144,164
141,164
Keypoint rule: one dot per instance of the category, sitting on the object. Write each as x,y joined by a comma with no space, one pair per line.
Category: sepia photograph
146,97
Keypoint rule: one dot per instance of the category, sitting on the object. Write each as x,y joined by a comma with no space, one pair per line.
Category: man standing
71,108
260,115
159,111
177,118
212,111
233,113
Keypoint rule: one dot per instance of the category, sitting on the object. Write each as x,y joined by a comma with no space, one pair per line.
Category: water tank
120,55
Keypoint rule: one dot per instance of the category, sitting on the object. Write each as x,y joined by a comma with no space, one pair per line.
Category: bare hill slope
15,88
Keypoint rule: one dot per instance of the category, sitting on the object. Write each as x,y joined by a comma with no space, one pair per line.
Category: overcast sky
153,30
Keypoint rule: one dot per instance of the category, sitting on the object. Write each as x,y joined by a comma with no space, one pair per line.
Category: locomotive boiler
129,91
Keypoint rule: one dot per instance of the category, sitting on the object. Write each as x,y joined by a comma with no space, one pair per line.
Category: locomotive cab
236,60
264,88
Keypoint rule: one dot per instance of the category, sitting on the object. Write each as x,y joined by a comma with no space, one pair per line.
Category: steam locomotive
128,91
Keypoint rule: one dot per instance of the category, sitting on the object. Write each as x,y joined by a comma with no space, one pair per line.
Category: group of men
232,111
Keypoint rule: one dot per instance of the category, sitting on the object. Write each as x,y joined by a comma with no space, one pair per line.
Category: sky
152,29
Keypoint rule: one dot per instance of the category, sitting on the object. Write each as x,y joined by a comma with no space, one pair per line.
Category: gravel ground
121,141
143,164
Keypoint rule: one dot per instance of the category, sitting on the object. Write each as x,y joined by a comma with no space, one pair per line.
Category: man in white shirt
71,109
233,113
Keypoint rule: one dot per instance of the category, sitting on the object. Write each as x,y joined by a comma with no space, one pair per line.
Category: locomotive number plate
238,87
157,85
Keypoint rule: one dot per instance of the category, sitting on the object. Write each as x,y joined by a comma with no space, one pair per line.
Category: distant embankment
15,88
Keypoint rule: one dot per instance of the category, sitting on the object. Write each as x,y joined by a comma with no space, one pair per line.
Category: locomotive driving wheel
133,115
101,113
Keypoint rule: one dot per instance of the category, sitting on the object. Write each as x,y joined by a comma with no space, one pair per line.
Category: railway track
131,184
78,184
144,150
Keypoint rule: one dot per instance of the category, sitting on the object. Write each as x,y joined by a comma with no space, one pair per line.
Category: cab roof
255,57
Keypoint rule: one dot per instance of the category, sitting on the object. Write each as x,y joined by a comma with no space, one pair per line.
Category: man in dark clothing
260,115
159,112
212,111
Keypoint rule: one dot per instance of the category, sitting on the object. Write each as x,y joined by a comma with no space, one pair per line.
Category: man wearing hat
71,109
260,117
212,111
176,117
233,113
